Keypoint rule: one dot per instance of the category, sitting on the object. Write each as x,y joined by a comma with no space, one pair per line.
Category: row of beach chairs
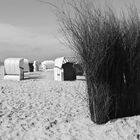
19,68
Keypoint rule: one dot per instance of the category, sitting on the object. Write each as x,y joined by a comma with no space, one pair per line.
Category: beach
39,108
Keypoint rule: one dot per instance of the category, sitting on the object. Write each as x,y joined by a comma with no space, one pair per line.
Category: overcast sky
29,29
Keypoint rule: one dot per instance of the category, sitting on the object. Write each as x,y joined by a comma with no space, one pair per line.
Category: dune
40,108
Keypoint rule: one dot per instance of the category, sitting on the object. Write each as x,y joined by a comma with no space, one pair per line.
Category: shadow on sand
33,75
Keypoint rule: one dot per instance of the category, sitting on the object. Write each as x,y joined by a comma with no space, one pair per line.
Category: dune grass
109,50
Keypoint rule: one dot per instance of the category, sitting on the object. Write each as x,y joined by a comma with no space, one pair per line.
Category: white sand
42,109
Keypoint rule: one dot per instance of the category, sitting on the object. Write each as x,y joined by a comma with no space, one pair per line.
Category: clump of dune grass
108,47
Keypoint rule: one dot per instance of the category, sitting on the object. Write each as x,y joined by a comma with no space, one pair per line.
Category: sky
29,29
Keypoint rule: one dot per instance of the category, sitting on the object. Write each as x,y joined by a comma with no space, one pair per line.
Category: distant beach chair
48,64
36,66
64,70
79,69
31,67
14,69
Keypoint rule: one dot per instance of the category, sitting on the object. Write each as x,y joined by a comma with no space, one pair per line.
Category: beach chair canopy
60,61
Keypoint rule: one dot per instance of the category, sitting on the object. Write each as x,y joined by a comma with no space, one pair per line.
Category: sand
40,108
